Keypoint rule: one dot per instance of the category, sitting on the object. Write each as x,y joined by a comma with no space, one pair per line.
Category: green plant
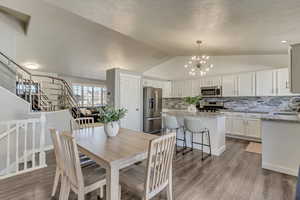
110,114
192,100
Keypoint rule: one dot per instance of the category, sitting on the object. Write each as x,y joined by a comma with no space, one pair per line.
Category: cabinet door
246,84
167,89
283,84
228,125
195,90
187,88
229,84
238,126
265,83
253,128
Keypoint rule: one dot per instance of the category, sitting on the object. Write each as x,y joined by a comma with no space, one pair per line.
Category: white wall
12,106
9,27
173,69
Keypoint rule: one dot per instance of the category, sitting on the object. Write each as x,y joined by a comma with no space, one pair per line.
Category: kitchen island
215,122
280,143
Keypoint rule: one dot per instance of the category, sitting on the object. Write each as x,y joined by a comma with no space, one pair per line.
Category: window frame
81,100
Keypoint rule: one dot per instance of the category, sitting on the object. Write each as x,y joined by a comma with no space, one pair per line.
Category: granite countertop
282,118
194,114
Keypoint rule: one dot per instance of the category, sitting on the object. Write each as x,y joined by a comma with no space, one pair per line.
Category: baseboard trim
276,168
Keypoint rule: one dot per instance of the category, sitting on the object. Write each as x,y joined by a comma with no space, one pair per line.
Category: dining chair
73,177
58,158
157,175
81,123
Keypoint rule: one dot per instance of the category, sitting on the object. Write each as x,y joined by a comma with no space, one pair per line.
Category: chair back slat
72,168
83,122
159,164
57,148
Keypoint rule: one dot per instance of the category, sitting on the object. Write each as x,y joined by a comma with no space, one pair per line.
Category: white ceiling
173,69
227,27
65,43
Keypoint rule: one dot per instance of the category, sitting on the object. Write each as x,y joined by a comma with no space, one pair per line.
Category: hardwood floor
236,175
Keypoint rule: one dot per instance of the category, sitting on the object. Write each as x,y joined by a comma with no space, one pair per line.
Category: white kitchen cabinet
253,128
196,85
266,83
167,89
229,85
246,84
187,88
243,125
211,81
283,83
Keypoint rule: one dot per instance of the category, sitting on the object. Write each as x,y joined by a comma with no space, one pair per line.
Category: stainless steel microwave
212,91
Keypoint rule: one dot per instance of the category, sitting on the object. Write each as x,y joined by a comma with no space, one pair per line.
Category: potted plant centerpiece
111,117
192,101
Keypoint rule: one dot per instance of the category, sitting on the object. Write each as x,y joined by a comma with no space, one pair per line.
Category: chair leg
192,141
80,195
56,180
208,134
170,186
202,157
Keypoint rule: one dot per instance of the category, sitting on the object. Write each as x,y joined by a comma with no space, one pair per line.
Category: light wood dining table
113,153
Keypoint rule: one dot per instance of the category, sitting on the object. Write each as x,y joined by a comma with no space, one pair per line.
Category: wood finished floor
236,175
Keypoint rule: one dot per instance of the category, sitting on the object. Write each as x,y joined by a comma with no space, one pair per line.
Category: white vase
192,108
112,128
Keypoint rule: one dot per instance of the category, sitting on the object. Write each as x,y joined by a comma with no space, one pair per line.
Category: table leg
112,183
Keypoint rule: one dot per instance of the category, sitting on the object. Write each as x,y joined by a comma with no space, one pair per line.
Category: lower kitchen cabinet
243,126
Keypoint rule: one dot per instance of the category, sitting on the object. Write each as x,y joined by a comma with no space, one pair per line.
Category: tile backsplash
261,104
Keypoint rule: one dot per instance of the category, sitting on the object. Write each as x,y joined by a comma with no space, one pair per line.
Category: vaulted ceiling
227,27
84,38
64,43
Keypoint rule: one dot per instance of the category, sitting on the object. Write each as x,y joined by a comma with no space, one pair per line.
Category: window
89,96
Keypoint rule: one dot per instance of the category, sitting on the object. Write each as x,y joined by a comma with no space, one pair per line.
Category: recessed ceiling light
32,66
283,41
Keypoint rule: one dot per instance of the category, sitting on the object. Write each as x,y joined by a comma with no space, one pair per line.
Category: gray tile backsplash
255,104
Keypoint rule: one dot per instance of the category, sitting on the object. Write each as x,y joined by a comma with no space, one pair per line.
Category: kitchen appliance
212,91
152,98
211,106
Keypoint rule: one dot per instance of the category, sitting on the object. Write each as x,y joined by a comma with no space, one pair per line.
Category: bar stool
195,127
171,124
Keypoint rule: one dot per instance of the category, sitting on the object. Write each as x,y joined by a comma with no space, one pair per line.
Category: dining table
113,153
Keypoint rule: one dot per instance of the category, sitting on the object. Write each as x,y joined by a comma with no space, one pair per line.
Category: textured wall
262,104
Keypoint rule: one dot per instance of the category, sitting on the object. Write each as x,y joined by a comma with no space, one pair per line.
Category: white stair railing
22,146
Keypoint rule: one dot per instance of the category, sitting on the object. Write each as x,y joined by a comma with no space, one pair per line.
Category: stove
210,106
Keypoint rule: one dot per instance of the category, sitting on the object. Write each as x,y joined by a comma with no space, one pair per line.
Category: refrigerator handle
151,102
156,101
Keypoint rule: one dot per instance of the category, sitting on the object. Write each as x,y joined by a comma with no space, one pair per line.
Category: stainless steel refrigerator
152,109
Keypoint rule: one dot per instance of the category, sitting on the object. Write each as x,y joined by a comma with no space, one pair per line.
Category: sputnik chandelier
198,64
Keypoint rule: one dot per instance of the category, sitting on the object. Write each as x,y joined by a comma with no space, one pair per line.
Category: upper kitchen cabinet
294,70
167,89
266,83
211,81
246,84
229,85
283,83
196,85
166,86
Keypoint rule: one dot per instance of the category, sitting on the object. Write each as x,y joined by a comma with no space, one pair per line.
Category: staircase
22,146
43,92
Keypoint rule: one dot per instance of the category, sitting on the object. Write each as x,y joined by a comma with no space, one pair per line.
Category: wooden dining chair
74,126
157,175
73,177
58,157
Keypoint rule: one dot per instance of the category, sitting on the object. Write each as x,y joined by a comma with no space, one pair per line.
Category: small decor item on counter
111,117
192,101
